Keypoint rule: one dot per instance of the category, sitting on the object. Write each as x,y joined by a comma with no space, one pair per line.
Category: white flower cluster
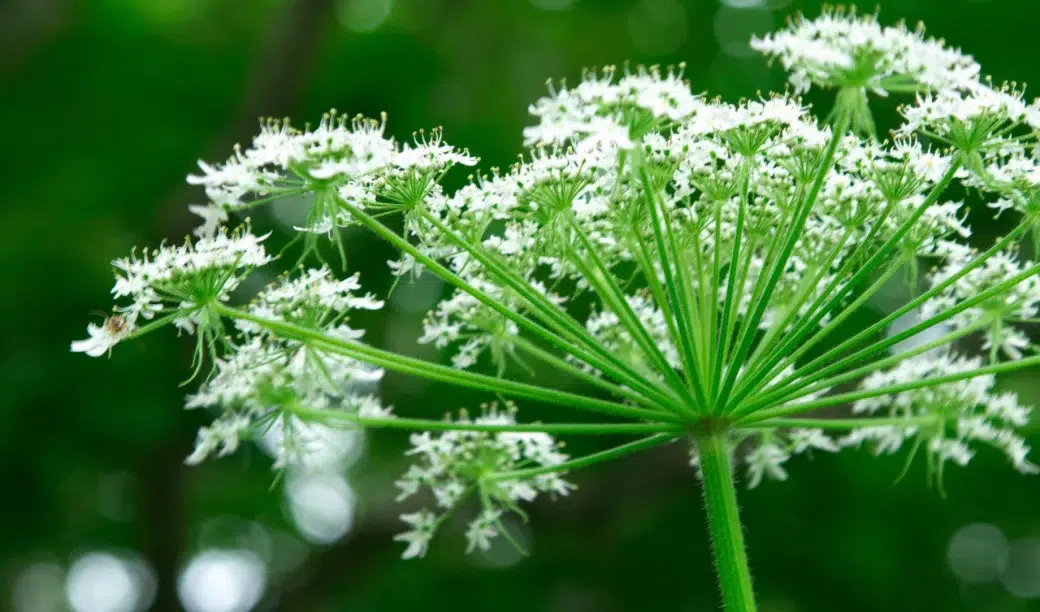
600,110
842,49
956,414
264,379
348,157
999,314
197,273
180,280
455,464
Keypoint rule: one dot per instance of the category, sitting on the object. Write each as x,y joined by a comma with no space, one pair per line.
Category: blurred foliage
105,105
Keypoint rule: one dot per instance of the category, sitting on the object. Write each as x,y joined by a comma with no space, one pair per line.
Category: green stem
607,289
561,365
832,354
439,373
844,398
562,334
605,429
727,537
680,305
842,423
587,460
758,310
785,395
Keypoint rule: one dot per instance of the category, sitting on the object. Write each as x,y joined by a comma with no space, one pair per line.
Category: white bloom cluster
956,414
455,464
600,110
264,379
999,313
349,157
179,280
842,49
194,273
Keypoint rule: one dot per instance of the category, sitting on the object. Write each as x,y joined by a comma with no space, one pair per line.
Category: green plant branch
797,335
608,290
798,223
550,313
587,460
607,364
843,398
877,347
595,429
801,390
437,372
841,423
780,362
543,355
830,355
680,307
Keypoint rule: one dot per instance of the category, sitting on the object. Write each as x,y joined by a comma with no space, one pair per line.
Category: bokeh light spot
222,581
103,582
39,588
1021,575
364,15
321,504
977,553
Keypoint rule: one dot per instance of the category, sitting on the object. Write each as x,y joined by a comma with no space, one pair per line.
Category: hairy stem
727,537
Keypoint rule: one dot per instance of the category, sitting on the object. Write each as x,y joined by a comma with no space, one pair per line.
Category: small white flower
482,530
767,459
423,526
105,336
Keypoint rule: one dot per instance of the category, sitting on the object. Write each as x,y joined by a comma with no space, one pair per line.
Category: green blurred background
104,107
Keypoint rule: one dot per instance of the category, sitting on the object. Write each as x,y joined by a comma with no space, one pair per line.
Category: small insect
117,325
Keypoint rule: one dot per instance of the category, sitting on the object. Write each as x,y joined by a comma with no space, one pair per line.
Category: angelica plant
696,264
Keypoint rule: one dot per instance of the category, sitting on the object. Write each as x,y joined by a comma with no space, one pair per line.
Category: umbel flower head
701,268
856,55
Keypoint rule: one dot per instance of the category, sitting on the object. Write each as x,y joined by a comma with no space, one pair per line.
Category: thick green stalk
727,536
